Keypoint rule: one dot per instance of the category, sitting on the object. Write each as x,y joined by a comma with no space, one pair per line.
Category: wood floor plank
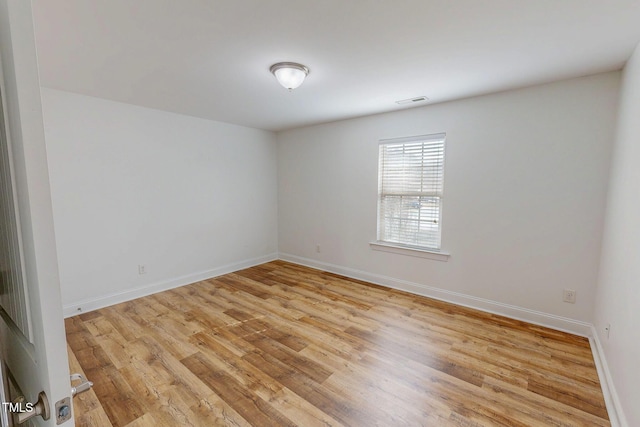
280,344
540,409
147,420
250,377
339,406
251,407
88,410
214,411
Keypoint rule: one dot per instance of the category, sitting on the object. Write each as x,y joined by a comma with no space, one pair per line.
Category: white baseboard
511,311
130,294
612,401
614,408
514,312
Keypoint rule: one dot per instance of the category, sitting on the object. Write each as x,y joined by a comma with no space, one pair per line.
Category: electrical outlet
142,269
607,329
318,248
569,295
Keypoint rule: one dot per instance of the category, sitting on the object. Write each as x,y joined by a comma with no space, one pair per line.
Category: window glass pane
411,186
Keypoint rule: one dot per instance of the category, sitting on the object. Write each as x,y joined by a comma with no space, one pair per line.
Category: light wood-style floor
284,345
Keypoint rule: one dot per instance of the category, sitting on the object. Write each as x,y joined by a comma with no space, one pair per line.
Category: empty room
337,213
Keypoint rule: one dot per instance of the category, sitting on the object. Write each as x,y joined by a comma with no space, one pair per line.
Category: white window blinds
411,174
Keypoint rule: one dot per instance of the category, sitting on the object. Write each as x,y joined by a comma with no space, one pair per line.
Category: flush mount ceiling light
289,74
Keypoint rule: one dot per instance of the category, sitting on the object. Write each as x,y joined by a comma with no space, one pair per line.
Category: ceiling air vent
412,100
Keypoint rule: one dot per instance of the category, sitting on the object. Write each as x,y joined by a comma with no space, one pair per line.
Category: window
411,175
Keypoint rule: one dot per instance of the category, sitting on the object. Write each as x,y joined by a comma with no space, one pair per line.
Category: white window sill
404,250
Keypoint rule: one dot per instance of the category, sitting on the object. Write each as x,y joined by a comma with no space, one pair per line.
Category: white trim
432,137
614,408
611,400
514,312
405,250
130,294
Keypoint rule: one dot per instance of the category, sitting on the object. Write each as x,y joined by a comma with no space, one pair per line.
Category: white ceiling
211,58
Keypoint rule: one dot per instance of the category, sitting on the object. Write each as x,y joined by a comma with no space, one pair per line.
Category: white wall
188,198
618,296
525,181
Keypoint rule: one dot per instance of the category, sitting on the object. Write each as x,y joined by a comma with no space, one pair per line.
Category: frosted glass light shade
289,74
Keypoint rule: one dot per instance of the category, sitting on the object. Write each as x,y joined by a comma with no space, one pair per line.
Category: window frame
431,177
